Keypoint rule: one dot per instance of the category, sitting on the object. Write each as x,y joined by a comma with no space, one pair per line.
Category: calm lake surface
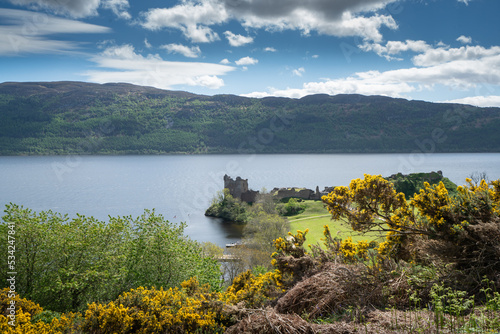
181,187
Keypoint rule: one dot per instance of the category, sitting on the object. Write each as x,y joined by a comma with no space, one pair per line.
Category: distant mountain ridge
64,87
119,118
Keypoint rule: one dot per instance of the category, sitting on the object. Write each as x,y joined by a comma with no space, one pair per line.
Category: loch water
181,187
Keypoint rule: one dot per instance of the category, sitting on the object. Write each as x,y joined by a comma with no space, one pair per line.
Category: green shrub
291,208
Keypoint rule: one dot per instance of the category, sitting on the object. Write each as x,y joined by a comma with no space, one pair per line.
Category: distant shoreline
235,153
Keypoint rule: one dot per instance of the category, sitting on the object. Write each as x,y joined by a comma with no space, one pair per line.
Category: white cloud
77,8
336,18
210,81
351,85
348,25
301,15
186,51
119,8
299,71
27,32
467,74
479,101
123,64
192,18
315,56
464,39
437,56
225,61
237,40
246,61
200,34
465,57
270,49
147,44
328,8
392,48
122,52
466,2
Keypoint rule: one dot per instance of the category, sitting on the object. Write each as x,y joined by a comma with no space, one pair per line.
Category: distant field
315,217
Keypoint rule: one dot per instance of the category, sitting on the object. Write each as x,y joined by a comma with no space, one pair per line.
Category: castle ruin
239,189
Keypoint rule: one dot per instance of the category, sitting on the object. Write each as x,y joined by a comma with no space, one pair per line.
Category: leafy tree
211,250
265,202
263,228
225,206
160,255
63,263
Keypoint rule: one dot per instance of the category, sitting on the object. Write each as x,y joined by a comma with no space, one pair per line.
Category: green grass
315,217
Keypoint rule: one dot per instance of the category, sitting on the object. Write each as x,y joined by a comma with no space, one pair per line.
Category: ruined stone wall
302,193
249,196
239,189
292,192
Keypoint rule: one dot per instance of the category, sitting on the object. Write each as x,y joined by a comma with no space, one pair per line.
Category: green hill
86,118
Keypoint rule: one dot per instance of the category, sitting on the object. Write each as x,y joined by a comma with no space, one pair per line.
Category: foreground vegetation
85,118
63,264
437,271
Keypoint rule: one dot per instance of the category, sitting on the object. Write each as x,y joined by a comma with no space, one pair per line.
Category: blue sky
433,50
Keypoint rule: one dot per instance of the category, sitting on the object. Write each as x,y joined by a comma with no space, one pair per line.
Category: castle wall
238,188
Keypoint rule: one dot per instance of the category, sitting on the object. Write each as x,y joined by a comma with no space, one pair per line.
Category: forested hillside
85,118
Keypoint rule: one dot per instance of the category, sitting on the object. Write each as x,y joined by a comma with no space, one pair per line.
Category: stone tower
239,189
236,187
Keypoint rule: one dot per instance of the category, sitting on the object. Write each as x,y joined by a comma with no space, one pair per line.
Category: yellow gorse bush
353,252
192,308
291,245
477,197
153,311
25,311
372,203
475,203
253,290
465,224
108,318
495,185
24,325
435,204
137,311
345,250
21,303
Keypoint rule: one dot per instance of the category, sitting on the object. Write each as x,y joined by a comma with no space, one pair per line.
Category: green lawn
315,217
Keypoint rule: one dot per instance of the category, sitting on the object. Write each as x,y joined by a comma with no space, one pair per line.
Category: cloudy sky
433,50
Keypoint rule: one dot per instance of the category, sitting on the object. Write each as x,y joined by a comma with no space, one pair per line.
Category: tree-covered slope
85,118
